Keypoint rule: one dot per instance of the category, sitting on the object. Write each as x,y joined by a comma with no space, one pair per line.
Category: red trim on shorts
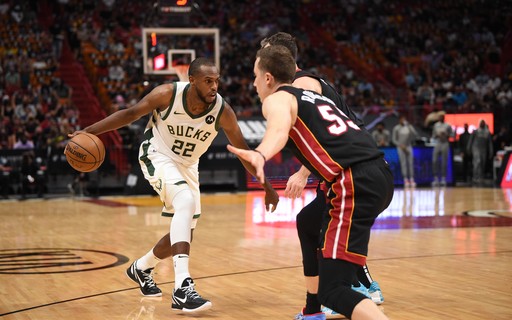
336,238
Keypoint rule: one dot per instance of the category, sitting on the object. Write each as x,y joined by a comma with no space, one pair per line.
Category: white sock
180,269
149,260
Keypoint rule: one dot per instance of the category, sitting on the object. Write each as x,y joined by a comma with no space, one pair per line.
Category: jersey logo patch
210,119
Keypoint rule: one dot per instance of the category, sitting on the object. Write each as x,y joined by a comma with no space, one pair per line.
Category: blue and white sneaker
315,316
376,293
331,314
362,290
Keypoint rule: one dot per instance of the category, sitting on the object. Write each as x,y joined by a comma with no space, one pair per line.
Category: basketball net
182,71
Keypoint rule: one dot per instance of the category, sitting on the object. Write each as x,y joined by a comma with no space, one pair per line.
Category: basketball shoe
144,278
376,293
331,314
315,316
362,290
187,299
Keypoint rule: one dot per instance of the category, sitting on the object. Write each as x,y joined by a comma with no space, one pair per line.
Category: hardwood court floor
437,254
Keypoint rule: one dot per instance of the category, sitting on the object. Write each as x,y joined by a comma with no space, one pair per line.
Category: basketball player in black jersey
308,220
359,183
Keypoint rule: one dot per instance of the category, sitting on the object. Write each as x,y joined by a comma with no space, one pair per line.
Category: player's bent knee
183,201
173,189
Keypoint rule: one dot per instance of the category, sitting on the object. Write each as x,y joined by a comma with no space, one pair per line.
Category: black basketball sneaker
144,278
187,299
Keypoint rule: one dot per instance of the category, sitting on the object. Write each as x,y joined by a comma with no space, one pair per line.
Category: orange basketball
85,152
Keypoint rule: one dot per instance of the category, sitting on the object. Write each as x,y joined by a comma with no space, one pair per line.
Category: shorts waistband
374,162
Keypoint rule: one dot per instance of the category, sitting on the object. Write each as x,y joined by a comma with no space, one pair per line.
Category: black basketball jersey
331,93
324,139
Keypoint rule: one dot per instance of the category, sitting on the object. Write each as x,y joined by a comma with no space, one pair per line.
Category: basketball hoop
182,71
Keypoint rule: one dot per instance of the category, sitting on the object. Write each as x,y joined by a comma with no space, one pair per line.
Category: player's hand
295,185
72,134
253,158
271,199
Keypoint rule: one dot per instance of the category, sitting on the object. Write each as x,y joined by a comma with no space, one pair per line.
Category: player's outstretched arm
280,110
158,98
254,158
229,124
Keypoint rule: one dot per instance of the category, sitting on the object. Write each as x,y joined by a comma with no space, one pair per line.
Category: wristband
261,154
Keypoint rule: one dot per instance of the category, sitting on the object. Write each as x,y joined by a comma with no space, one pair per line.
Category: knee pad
183,220
309,219
169,191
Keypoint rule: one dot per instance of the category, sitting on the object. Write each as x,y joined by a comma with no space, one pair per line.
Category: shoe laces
148,277
191,292
374,287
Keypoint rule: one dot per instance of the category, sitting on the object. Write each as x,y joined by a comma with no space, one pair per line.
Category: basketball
85,152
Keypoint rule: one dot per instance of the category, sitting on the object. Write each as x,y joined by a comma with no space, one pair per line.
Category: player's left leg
308,229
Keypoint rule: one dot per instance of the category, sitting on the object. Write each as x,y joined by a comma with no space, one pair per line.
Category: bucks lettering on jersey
179,134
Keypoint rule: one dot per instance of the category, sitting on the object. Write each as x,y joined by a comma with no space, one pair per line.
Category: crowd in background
36,108
414,57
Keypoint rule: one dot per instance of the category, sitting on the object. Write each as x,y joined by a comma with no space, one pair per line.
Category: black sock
312,304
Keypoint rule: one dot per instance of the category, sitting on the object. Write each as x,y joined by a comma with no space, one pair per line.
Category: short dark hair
195,66
278,61
283,39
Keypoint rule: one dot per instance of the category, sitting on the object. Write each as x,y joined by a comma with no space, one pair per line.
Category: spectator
480,144
381,135
425,94
403,138
5,180
63,91
17,13
23,143
441,133
465,153
57,32
32,177
116,72
501,139
12,80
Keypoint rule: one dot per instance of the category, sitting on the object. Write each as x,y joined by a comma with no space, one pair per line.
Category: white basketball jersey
179,134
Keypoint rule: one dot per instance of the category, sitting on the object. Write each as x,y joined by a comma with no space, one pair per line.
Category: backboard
164,48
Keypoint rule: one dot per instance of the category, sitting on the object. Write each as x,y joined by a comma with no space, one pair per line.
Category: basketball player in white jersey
185,119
